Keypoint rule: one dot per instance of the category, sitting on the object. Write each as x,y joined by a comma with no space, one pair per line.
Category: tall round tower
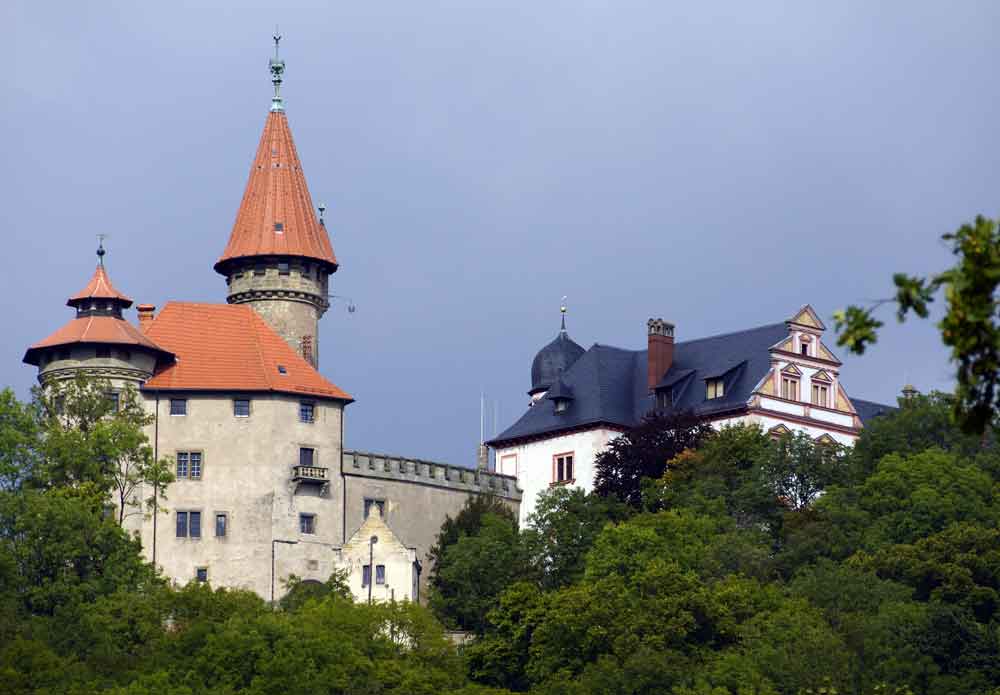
279,258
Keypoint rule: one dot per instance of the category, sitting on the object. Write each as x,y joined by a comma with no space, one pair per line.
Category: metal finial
322,209
562,311
277,66
100,249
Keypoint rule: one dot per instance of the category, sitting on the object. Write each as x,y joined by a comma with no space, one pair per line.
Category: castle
264,489
255,432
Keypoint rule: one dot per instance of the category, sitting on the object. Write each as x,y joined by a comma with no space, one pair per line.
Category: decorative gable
821,375
826,354
825,440
779,431
807,317
791,370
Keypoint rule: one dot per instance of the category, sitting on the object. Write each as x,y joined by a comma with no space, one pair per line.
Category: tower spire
562,311
277,66
100,250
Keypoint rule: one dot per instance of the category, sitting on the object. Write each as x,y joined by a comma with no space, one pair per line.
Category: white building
780,376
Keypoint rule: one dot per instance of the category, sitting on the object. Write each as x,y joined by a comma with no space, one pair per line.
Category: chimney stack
661,350
146,312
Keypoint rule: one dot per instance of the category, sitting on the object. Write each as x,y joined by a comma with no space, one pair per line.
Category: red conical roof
99,287
276,216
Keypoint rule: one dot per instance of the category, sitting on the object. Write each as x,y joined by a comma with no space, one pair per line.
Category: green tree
562,530
19,442
970,326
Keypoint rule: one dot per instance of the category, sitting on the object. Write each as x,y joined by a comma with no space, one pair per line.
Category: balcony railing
309,474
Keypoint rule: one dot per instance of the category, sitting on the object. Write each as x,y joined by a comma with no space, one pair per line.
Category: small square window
307,523
201,574
307,412
380,574
178,406
715,388
279,226
258,270
282,369
283,268
241,407
366,575
564,468
221,524
307,456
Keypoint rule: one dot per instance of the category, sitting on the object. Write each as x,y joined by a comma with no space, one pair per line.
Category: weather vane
562,311
100,249
277,66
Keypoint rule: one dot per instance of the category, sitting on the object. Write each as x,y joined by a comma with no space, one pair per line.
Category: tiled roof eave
164,388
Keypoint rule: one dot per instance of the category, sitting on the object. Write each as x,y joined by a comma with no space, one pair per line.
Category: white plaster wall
534,462
388,551
767,422
247,466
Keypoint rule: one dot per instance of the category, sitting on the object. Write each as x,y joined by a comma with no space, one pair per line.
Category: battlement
421,472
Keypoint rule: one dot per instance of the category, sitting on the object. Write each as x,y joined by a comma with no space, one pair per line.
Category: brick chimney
661,350
146,312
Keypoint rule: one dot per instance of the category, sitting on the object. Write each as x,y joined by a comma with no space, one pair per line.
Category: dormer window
715,388
561,405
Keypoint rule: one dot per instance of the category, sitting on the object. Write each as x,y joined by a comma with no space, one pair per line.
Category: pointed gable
807,317
792,370
276,216
821,376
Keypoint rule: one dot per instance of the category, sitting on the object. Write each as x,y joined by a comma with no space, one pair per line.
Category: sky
717,164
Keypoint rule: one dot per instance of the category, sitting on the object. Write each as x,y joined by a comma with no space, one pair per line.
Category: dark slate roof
868,410
610,384
553,359
559,390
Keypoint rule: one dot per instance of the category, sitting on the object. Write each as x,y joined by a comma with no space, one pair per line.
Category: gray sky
716,164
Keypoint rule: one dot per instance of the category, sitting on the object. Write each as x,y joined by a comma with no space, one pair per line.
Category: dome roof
556,357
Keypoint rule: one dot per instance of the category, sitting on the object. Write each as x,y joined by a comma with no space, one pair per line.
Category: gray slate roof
609,383
869,409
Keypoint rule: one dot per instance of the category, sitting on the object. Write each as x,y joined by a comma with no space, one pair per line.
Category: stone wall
290,294
418,496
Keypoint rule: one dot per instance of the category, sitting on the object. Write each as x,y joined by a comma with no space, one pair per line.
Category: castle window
715,388
189,524
307,523
821,395
104,352
804,349
201,574
178,406
241,407
380,574
562,468
282,369
378,505
283,268
307,456
366,575
789,388
258,269
113,400
279,227
189,465
221,524
307,412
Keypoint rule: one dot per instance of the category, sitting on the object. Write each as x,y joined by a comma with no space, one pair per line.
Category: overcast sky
714,164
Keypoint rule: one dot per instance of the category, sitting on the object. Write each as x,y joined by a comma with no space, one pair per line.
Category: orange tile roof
95,329
99,287
276,216
229,347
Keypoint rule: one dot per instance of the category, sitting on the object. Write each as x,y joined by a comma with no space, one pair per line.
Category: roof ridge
732,333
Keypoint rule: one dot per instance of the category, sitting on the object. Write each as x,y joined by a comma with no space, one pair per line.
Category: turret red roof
99,287
109,330
276,216
229,347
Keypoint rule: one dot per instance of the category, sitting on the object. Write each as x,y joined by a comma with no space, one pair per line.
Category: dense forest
705,563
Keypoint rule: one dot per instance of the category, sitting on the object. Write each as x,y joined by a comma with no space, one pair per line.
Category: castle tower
279,258
98,341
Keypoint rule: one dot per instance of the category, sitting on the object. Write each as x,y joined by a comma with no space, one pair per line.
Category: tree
643,452
472,572
798,469
19,442
562,530
971,323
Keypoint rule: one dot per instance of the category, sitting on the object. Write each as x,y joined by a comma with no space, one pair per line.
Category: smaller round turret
552,360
